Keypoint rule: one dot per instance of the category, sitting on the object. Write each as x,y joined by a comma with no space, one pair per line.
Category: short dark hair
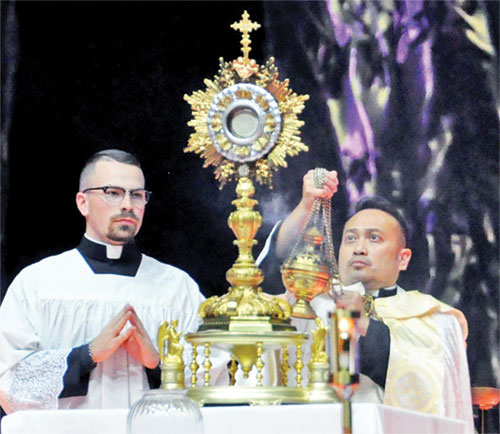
383,204
107,155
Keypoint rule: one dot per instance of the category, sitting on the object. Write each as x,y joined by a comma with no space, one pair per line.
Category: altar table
283,419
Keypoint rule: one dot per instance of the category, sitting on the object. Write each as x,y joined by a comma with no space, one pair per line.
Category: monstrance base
269,395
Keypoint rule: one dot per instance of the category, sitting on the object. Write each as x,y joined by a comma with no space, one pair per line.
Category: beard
122,234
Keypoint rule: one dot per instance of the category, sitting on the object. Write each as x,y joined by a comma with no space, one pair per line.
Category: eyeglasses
114,195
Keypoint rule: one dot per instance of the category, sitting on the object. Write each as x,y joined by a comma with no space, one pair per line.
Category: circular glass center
243,122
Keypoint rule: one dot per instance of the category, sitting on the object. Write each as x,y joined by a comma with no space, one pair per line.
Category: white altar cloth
284,419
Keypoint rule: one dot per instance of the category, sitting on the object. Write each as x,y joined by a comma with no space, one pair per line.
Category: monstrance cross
245,26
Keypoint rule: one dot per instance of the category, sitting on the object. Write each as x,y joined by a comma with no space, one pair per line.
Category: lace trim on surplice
38,380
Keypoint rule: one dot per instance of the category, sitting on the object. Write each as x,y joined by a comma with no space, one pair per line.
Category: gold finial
172,363
245,26
318,354
168,342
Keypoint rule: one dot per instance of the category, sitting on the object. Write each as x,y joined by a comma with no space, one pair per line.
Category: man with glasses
77,329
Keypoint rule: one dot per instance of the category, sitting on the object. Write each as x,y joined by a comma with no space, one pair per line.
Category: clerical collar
112,251
385,292
106,259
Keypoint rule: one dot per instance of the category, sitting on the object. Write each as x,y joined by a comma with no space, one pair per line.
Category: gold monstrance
245,125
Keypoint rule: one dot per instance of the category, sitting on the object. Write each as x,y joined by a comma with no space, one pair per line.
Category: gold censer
311,268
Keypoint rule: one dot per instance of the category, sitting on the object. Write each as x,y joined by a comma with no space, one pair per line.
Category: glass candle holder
164,411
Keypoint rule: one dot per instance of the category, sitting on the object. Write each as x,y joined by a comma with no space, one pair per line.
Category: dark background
97,75
78,77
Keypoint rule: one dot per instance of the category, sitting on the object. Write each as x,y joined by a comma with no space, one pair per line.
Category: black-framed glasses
115,195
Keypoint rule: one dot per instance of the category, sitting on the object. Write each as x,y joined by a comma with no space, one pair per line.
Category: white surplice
59,303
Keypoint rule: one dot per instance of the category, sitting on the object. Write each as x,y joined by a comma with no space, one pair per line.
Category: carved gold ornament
246,125
246,117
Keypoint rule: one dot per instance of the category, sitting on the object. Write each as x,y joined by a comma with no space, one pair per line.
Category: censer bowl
305,283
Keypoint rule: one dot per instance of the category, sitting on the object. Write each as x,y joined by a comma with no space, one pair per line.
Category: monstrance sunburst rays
246,120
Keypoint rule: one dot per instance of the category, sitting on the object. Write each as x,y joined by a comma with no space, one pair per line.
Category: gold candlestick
343,357
485,398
